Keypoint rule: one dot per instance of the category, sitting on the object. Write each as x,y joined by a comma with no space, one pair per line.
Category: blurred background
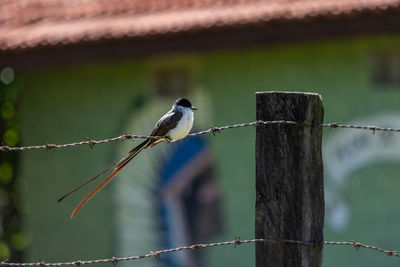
73,69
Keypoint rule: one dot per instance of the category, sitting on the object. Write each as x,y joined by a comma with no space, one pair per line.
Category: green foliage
12,240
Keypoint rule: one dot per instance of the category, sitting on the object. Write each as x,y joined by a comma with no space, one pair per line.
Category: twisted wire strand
157,254
213,130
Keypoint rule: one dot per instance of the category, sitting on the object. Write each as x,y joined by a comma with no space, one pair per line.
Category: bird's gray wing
166,123
163,126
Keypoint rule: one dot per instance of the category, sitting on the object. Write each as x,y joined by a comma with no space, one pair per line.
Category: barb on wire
157,254
358,245
213,130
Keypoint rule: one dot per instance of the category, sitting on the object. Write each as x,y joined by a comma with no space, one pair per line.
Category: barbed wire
213,130
157,254
358,245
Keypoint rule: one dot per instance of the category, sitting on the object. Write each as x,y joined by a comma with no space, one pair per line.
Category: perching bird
174,125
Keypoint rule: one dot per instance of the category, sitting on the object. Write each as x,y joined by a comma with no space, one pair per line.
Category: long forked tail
131,154
119,166
85,183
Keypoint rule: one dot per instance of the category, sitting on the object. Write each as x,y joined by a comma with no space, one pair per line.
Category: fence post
289,180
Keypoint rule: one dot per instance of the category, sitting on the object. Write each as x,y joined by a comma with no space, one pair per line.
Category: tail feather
131,154
94,192
119,166
85,183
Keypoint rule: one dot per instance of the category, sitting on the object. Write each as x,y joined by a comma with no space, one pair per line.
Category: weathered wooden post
289,180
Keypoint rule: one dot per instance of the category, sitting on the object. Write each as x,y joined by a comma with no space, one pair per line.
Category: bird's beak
193,108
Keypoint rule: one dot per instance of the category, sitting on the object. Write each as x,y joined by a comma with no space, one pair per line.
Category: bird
174,125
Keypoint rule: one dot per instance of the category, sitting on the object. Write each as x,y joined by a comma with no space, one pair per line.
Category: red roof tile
31,23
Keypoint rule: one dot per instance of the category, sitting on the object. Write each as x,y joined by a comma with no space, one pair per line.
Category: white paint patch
350,150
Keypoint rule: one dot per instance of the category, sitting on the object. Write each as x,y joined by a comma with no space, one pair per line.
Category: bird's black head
184,103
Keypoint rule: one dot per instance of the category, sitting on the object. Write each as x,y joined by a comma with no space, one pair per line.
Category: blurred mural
72,70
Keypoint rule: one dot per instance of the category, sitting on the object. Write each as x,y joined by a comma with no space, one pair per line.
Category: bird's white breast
183,127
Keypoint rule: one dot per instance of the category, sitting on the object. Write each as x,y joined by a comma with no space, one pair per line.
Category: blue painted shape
182,153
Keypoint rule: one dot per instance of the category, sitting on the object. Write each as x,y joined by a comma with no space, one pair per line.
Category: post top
287,92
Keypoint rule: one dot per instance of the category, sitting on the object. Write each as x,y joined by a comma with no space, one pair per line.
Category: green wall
68,104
